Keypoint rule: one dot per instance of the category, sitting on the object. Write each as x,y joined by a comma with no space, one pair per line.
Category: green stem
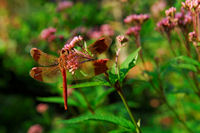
117,87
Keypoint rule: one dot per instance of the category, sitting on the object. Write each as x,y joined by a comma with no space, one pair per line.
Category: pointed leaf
101,117
90,84
129,63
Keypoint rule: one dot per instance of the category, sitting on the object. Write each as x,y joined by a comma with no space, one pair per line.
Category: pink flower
170,12
183,18
158,7
35,129
138,19
133,31
94,34
41,108
107,30
70,91
76,40
48,34
192,36
121,39
191,4
64,5
166,25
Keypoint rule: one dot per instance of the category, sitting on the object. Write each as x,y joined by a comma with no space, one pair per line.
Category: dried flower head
170,12
133,31
35,129
64,5
138,19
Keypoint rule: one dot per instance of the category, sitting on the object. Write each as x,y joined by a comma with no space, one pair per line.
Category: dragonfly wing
100,46
45,74
91,68
43,58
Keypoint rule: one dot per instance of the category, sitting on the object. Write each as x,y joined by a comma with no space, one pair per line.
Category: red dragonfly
82,63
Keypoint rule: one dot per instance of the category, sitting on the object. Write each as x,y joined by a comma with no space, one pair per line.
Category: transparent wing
43,58
46,74
90,69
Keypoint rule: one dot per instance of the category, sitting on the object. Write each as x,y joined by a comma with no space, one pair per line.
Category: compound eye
62,51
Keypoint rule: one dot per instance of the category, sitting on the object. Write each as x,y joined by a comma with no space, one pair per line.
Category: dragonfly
75,58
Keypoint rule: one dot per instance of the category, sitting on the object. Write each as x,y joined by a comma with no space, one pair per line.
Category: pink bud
41,108
35,129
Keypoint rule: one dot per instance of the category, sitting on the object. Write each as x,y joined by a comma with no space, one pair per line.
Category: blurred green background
21,22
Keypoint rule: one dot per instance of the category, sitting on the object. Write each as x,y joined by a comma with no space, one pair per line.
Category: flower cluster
35,129
73,61
135,18
170,12
184,18
192,36
104,30
75,41
166,25
192,5
133,31
73,58
41,108
121,39
157,8
49,34
64,5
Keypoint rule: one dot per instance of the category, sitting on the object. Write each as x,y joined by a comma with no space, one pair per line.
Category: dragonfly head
64,51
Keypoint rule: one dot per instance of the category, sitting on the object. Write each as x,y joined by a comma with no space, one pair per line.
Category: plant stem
176,115
118,88
170,44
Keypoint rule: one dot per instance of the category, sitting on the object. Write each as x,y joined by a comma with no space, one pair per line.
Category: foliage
157,71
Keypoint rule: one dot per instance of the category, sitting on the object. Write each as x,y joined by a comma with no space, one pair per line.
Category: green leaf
129,63
100,117
51,99
120,131
188,60
187,66
103,95
184,62
113,77
58,100
90,84
80,98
